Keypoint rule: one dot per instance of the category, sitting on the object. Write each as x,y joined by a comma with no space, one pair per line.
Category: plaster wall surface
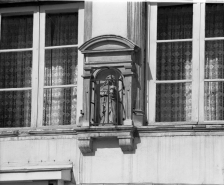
40,151
179,159
165,159
109,18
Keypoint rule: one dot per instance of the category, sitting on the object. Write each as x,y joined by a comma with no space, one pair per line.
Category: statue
108,101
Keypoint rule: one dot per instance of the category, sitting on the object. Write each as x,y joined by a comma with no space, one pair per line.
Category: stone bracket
85,144
126,143
86,136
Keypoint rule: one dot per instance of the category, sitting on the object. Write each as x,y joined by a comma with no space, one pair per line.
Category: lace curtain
15,71
60,69
174,22
16,32
174,62
173,100
214,63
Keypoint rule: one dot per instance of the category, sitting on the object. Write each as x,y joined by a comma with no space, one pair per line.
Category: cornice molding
9,133
114,131
180,128
35,168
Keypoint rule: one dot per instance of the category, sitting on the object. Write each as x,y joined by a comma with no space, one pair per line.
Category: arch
108,43
102,73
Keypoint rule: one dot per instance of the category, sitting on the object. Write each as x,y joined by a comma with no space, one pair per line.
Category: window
186,81
39,65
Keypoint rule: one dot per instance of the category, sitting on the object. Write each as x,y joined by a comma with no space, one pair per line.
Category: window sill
193,128
110,131
38,131
218,122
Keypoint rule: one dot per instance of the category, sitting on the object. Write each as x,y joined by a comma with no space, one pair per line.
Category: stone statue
108,101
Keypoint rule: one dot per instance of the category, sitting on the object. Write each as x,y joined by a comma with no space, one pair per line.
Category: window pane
173,102
174,61
61,29
214,101
15,108
175,22
214,59
59,106
16,32
61,66
214,21
15,69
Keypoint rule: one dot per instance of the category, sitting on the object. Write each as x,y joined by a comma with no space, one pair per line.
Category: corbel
85,144
126,143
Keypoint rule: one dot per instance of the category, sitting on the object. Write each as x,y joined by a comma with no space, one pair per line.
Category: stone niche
109,71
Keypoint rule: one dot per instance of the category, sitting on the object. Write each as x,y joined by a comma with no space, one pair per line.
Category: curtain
174,22
61,29
60,103
214,91
60,69
174,62
16,32
173,100
15,71
214,20
214,63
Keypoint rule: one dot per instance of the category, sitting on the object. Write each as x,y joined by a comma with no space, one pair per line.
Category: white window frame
202,65
59,8
34,86
151,70
38,50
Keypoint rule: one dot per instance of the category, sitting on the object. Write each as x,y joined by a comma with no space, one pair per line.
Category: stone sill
181,128
37,131
108,131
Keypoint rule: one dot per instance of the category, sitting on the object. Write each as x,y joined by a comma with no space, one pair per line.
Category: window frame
59,8
38,58
196,66
203,39
35,53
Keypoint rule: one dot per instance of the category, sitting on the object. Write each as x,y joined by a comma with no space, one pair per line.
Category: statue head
110,80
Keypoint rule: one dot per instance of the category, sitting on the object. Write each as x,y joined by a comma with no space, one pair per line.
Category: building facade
100,92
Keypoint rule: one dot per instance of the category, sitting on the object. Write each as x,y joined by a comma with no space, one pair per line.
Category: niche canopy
108,49
109,71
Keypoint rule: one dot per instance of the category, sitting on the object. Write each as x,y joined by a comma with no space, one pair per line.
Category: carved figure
108,100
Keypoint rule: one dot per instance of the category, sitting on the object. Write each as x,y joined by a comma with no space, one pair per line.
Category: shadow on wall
102,143
148,78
